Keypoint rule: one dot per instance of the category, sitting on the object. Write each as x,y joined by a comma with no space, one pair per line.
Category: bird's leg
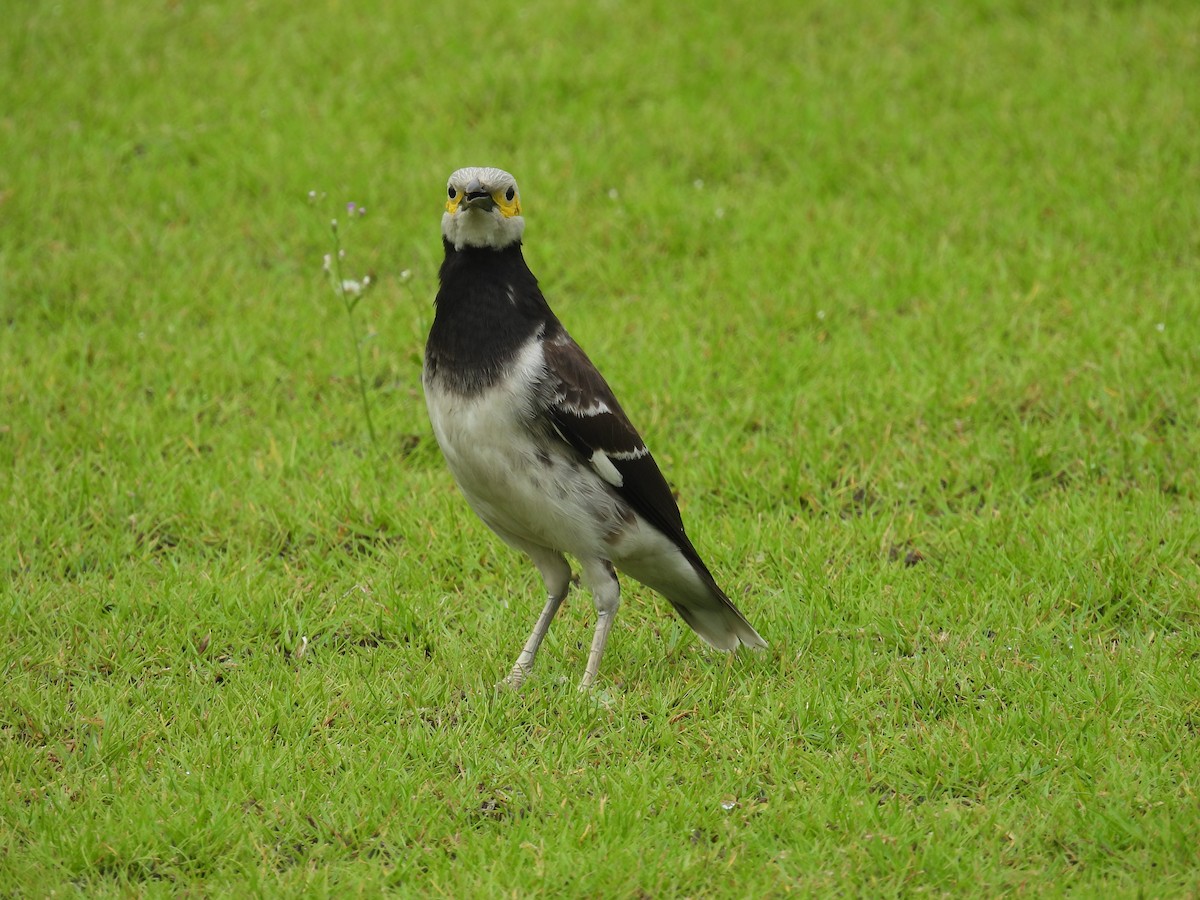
606,592
556,573
524,664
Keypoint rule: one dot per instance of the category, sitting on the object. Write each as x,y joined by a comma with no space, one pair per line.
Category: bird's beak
478,198
481,200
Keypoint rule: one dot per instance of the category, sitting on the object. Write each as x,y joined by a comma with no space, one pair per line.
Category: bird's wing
583,410
587,415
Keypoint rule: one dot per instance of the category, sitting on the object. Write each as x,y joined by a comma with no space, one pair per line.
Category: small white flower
613,194
405,274
820,314
720,212
698,184
327,264
1161,326
350,286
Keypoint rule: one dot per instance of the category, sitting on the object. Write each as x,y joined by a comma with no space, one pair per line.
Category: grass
904,298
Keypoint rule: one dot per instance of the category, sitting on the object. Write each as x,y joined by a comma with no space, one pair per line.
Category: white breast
522,479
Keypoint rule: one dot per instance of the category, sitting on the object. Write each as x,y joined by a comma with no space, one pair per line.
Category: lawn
905,299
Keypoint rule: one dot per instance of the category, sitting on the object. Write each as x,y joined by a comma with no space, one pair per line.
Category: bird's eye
451,192
509,194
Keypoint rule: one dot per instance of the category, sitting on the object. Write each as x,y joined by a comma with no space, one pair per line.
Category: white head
483,209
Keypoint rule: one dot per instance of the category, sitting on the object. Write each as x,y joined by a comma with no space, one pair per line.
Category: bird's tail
699,601
719,623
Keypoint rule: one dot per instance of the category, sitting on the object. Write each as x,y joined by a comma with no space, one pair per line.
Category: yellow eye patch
509,207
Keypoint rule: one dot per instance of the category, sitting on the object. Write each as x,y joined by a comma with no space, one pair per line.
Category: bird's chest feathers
485,434
519,476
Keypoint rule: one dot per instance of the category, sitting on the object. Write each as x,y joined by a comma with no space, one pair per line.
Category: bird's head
483,209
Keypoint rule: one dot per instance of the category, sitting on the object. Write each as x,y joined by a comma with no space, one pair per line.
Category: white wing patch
596,407
605,469
625,455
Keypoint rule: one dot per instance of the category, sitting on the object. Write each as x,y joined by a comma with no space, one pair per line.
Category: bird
537,442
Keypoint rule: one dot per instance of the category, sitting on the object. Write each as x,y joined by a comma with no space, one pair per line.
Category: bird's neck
488,307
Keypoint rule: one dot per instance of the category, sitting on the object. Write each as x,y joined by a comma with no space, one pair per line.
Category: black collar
488,307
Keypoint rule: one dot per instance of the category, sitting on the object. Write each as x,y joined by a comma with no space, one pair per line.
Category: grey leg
606,592
556,573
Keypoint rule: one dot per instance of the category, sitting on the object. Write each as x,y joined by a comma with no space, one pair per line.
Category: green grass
905,299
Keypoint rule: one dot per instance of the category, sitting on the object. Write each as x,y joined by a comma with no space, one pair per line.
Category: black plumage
479,327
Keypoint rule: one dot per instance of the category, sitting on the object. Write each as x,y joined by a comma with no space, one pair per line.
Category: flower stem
349,302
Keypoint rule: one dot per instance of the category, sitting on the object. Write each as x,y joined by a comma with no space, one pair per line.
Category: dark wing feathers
583,410
588,416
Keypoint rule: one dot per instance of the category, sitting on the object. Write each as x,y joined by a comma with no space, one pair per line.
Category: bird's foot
514,679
